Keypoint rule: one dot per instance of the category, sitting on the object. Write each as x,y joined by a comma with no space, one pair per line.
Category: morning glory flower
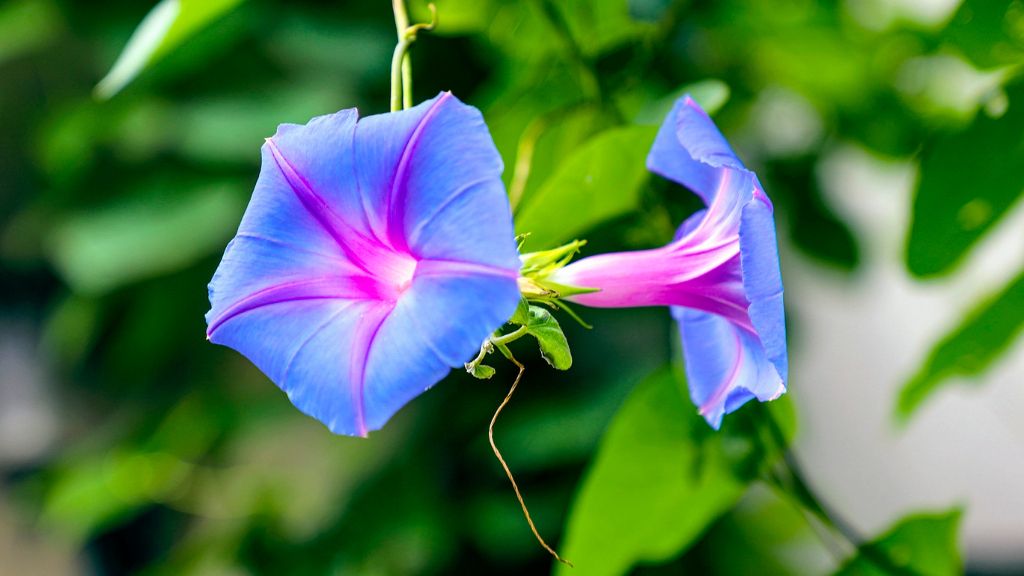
720,275
375,254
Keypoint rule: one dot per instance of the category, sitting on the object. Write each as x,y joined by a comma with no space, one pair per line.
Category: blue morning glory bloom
720,275
375,255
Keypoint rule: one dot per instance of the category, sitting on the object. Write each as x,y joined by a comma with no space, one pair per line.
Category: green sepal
564,290
546,261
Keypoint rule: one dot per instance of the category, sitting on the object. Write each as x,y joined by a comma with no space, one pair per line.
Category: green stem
399,90
407,82
401,25
401,65
510,337
493,342
401,17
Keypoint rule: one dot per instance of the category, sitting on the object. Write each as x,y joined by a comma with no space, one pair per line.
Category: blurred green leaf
924,544
26,25
233,129
91,494
602,180
168,25
661,476
968,181
454,16
144,237
711,94
971,348
599,24
990,33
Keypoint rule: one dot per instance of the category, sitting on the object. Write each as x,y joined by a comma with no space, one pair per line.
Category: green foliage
596,25
660,477
26,25
482,372
968,181
710,94
921,544
554,348
168,25
602,180
989,33
971,348
542,326
101,250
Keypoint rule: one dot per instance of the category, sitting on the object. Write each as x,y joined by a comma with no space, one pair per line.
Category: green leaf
968,181
101,250
554,348
168,25
93,494
455,17
597,25
661,476
711,94
27,25
602,180
918,544
971,348
990,33
482,371
522,314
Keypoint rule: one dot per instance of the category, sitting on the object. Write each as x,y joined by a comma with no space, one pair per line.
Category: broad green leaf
924,544
660,477
168,25
971,348
144,237
968,181
990,33
554,348
602,180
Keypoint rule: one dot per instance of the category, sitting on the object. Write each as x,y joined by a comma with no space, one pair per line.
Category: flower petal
278,241
438,177
314,350
690,150
438,324
726,366
762,279
457,208
321,153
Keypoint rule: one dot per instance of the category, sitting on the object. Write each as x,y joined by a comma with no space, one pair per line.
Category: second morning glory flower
375,254
720,275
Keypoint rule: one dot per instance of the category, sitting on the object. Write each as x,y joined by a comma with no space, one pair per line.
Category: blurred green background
128,444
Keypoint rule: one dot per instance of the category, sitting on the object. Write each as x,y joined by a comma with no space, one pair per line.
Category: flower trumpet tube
720,276
374,256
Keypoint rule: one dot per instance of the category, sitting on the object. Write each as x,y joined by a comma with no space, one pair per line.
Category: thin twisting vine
508,472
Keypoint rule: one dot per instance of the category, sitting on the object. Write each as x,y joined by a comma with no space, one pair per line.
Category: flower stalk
401,66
